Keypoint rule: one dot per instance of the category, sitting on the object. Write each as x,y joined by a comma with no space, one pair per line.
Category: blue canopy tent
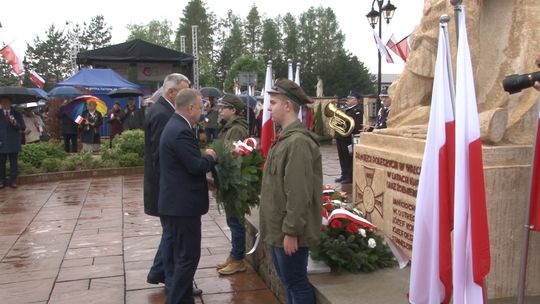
99,82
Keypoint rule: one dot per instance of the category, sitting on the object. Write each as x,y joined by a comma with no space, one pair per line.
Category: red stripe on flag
9,54
535,186
479,222
267,135
446,209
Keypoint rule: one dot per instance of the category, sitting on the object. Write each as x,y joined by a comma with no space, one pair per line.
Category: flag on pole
297,81
36,79
535,185
14,55
471,237
382,48
290,75
267,133
431,267
401,48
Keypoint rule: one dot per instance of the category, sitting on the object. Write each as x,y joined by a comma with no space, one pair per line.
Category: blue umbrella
65,92
40,92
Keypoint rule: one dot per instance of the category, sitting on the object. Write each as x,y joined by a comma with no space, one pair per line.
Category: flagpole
457,8
444,19
527,228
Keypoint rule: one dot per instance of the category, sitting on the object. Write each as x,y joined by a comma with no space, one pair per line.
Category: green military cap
232,101
290,89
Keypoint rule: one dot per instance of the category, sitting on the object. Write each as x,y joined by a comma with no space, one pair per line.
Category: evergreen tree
271,44
245,63
253,30
290,37
348,73
50,57
196,13
96,35
232,46
155,31
307,50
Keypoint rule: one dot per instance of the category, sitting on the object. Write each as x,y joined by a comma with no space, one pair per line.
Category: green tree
96,34
50,57
290,36
155,31
232,46
245,63
196,13
271,47
348,73
253,30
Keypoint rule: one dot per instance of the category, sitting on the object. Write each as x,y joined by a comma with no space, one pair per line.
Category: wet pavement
89,241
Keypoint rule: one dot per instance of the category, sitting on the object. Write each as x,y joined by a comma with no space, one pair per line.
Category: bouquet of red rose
348,240
238,176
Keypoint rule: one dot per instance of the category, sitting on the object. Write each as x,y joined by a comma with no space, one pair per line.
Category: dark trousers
292,271
238,236
70,141
13,166
345,158
165,245
211,134
186,236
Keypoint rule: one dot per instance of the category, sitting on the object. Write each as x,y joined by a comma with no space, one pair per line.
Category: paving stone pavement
89,241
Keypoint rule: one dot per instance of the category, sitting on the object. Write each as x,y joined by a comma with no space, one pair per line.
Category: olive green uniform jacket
291,194
234,130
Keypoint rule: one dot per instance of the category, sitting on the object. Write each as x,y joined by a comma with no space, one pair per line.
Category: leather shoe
338,180
2,186
196,291
13,185
153,278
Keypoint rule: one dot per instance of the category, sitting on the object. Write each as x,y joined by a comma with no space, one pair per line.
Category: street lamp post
387,12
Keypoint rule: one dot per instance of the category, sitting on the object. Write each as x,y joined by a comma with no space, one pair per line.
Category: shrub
34,154
131,141
51,165
130,160
26,168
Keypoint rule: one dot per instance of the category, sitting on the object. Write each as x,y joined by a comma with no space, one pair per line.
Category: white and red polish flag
267,133
401,48
14,55
535,186
471,255
382,48
431,267
36,79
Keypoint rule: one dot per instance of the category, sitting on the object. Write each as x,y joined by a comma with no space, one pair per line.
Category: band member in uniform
355,110
384,110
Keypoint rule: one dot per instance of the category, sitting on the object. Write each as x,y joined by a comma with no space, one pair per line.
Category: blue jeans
238,236
164,255
292,270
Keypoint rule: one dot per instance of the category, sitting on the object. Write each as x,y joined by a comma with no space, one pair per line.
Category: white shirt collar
189,124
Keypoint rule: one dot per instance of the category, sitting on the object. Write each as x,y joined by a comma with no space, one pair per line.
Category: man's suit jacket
156,118
10,135
183,187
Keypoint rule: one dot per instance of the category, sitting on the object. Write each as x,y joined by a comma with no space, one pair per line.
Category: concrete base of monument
386,174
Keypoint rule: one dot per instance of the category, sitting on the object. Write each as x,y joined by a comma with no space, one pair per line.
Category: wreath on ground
348,240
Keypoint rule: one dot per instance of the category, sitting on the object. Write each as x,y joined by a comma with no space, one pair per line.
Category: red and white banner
401,48
79,120
36,79
14,55
267,133
535,184
471,237
431,266
382,48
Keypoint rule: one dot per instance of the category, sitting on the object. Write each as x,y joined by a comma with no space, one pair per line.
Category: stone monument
504,40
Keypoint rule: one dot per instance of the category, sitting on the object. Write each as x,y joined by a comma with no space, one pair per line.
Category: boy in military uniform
354,109
291,200
232,111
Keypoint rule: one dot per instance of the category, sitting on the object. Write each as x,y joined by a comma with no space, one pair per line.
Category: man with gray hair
156,118
183,194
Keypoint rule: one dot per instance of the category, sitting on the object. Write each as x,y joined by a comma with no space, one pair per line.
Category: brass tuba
340,122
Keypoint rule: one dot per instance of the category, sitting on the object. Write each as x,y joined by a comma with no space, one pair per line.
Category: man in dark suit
11,127
183,193
69,130
156,118
355,111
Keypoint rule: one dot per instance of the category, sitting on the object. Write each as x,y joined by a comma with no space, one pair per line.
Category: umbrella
252,102
40,103
19,95
211,92
77,106
256,93
65,92
40,92
125,92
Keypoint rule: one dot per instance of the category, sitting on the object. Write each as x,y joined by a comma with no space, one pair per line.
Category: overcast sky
24,23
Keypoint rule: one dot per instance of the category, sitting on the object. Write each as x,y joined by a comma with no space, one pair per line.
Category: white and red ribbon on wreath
245,147
345,214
